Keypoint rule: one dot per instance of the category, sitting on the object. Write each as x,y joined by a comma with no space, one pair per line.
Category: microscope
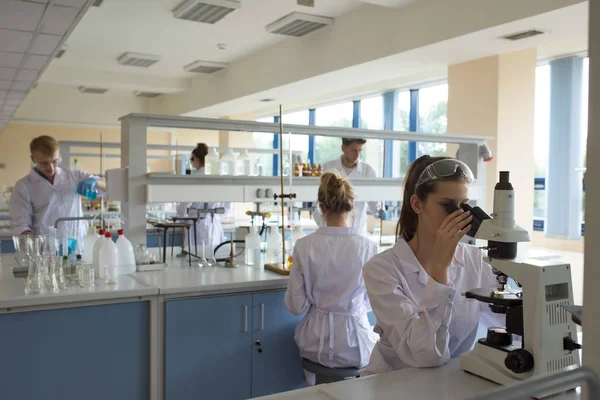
539,336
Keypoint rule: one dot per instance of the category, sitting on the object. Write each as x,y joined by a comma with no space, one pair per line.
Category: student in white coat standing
209,229
415,287
326,279
349,165
50,192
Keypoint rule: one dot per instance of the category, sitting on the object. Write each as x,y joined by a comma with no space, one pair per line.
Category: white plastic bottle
126,256
76,165
108,260
89,241
274,246
228,163
96,254
253,247
211,163
297,233
243,164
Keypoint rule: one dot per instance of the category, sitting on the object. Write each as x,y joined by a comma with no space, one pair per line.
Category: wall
495,97
15,139
59,104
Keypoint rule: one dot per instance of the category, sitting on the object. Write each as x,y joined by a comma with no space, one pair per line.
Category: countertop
447,382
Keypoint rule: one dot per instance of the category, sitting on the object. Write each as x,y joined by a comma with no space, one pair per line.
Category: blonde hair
46,145
336,194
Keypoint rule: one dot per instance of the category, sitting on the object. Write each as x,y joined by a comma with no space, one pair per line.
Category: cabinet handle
262,317
245,330
257,344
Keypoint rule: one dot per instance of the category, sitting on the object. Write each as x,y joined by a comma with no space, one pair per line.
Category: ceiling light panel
146,94
91,90
138,59
206,11
523,35
298,24
204,67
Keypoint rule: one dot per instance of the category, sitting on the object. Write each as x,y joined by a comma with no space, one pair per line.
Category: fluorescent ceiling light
138,59
206,11
205,67
91,90
298,24
146,94
523,35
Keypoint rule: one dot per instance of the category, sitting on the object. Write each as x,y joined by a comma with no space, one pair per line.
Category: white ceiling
30,34
147,26
566,33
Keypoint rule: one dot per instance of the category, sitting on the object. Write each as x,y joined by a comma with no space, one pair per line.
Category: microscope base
488,362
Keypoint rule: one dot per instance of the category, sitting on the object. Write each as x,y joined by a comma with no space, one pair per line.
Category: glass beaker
39,245
87,277
52,241
142,257
23,249
35,279
49,271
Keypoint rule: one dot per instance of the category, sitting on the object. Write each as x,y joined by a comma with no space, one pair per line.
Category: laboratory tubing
126,255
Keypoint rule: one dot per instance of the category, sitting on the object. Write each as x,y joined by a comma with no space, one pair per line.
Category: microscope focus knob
519,361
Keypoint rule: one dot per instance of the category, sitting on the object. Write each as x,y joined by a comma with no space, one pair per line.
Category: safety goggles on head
443,169
46,165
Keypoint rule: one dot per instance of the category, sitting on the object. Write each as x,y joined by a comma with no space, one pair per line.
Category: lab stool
165,226
329,375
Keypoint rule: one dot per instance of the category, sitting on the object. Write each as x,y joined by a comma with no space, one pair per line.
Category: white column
591,294
134,156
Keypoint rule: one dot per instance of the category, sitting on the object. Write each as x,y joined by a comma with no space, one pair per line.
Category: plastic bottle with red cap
97,247
126,255
108,260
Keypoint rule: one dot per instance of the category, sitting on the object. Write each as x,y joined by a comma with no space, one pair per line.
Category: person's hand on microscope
452,229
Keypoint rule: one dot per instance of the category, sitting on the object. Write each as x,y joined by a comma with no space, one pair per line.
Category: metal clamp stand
210,212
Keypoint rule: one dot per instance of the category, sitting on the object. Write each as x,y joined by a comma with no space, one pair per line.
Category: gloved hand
87,188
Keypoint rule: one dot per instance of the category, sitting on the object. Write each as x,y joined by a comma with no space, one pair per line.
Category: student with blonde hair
326,282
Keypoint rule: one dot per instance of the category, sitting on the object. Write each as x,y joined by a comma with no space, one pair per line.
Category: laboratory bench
447,382
182,333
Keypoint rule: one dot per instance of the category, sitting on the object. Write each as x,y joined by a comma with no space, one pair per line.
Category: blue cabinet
208,345
94,352
230,347
276,365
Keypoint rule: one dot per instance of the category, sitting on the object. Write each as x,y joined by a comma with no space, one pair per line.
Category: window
264,140
584,126
541,138
371,117
328,148
433,112
298,142
401,123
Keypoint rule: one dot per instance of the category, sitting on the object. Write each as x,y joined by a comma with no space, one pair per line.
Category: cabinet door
208,347
276,365
93,353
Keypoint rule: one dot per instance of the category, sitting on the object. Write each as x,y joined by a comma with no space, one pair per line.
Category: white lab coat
422,323
326,279
36,204
358,216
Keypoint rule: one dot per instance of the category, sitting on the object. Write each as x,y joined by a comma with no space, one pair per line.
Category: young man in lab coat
349,165
50,192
